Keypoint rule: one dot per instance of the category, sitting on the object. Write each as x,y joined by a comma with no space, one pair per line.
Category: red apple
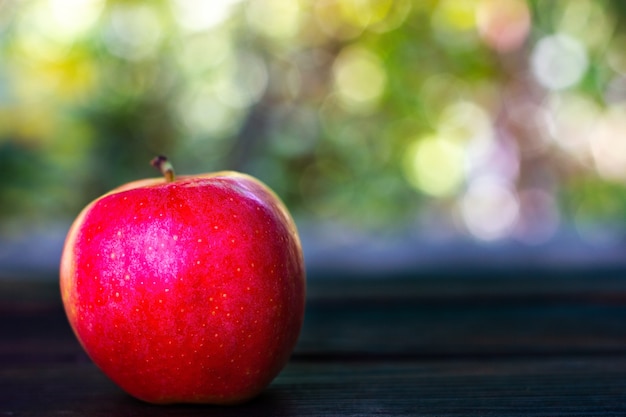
187,289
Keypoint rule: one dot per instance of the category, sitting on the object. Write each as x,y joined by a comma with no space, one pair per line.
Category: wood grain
388,347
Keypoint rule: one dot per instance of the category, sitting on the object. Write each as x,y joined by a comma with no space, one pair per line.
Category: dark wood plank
379,324
463,328
510,387
371,347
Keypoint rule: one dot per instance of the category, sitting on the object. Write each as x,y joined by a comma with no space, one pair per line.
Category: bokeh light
434,165
559,61
70,20
490,208
503,25
199,15
359,79
608,144
132,31
274,18
484,119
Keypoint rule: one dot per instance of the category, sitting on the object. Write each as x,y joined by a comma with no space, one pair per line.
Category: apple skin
189,291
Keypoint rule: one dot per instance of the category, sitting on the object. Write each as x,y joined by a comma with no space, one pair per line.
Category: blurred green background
485,120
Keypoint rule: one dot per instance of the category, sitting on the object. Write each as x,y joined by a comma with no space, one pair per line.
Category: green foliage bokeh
321,100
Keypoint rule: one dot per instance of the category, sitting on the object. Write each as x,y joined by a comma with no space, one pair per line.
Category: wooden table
494,342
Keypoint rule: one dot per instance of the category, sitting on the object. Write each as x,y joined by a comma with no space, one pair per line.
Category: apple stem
162,164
